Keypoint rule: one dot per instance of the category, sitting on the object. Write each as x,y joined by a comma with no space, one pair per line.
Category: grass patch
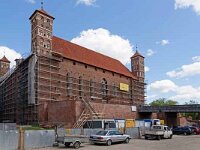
34,127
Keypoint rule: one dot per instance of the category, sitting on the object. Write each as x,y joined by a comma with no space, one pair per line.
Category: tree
192,114
163,102
191,102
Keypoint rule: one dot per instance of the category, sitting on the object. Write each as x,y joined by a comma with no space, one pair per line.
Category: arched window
41,32
92,84
114,90
41,41
69,84
48,45
104,88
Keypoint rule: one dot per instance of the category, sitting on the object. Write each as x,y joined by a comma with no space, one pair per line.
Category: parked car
158,132
108,137
195,130
182,130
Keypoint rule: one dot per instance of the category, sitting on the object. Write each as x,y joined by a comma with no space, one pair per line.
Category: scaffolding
39,80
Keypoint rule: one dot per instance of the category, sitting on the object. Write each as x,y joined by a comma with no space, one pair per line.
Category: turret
4,66
41,32
137,66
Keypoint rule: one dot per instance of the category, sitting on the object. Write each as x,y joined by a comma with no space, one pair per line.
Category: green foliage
163,102
191,102
193,115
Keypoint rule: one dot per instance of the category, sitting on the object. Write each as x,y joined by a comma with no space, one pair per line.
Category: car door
165,132
169,132
112,136
119,136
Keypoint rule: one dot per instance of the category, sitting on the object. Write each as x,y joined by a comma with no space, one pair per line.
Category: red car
195,130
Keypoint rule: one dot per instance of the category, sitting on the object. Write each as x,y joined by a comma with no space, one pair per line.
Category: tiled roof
137,54
43,12
4,59
90,57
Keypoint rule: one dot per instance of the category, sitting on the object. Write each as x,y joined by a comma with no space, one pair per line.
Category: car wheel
76,145
67,144
146,138
158,137
109,142
185,133
91,142
170,136
127,140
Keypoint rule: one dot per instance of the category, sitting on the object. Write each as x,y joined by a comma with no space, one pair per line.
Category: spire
42,5
4,59
137,52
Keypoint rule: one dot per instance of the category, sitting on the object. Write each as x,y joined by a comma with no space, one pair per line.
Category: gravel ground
177,143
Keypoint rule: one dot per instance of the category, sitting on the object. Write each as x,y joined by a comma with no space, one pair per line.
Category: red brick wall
58,112
69,110
182,121
110,111
90,73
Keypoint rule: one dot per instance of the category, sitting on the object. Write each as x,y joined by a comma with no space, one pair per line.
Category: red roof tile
4,59
43,12
84,55
137,54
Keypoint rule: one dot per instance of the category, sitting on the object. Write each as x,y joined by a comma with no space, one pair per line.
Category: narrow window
69,84
104,88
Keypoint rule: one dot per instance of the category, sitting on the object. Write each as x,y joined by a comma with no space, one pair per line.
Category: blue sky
166,31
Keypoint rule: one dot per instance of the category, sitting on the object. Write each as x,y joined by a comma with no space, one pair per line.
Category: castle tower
41,32
137,66
4,66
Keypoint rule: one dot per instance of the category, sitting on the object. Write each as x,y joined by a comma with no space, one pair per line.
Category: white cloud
146,69
163,42
194,4
186,92
150,52
151,96
163,86
185,71
196,59
86,2
102,41
10,54
31,1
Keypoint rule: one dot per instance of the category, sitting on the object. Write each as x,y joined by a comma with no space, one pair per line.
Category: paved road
177,143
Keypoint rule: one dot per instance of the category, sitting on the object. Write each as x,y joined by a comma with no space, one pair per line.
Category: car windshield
102,133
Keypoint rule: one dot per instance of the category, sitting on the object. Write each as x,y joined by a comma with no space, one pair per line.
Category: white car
159,131
108,137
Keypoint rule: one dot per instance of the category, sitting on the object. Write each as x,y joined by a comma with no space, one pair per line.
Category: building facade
64,83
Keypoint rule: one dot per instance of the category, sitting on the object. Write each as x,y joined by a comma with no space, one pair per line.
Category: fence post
21,139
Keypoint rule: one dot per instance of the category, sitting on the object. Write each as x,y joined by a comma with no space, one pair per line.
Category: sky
166,32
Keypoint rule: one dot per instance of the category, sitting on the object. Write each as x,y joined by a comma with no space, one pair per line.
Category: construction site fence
30,139
133,132
9,139
8,126
39,139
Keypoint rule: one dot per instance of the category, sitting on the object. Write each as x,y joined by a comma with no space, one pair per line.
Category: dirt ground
176,143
